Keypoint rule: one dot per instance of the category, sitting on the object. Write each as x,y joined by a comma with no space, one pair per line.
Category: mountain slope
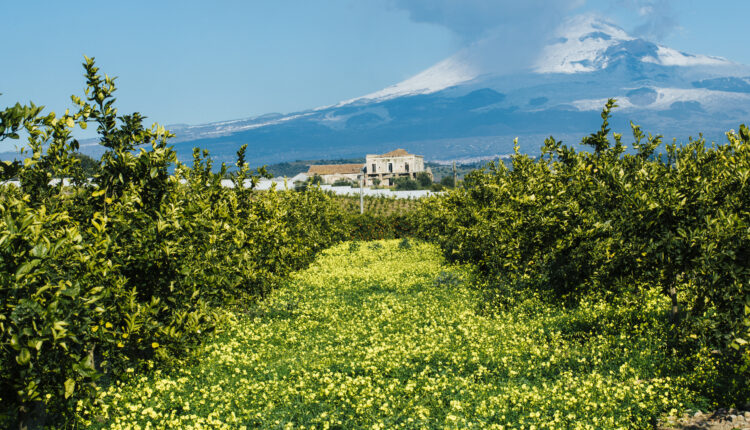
469,105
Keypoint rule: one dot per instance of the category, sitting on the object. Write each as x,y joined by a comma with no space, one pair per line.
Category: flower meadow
385,335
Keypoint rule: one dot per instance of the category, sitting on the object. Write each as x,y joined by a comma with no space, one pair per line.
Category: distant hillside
439,170
467,106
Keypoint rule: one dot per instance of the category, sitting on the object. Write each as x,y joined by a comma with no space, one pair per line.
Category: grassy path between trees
387,335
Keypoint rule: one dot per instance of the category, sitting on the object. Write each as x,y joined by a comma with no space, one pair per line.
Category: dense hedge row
383,217
375,227
132,269
607,223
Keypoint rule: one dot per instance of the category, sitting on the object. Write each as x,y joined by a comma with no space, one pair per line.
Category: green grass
391,337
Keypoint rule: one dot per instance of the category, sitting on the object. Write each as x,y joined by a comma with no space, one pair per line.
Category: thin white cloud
535,20
519,28
473,19
658,17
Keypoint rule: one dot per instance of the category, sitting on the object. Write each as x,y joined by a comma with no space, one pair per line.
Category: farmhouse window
390,167
373,167
406,165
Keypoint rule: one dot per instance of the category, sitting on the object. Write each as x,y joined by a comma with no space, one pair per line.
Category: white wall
416,164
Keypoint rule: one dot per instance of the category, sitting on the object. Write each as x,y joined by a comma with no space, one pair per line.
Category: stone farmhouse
330,173
381,169
386,168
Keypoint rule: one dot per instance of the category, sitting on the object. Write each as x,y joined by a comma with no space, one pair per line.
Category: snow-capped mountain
586,44
473,104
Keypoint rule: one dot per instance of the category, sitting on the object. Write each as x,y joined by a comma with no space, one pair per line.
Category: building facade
330,173
379,169
384,169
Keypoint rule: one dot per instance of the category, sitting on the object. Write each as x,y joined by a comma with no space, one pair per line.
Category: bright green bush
369,226
424,180
447,181
610,223
133,269
406,184
344,183
55,289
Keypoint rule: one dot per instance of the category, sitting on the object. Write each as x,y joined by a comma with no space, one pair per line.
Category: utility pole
455,176
361,190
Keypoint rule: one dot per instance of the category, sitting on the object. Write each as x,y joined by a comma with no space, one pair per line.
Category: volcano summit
474,103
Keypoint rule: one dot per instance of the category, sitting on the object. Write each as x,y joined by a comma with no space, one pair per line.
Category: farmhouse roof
333,169
397,153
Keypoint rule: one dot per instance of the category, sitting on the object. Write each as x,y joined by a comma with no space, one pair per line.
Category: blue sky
197,61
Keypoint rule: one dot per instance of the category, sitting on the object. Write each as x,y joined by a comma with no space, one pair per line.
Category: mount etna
470,106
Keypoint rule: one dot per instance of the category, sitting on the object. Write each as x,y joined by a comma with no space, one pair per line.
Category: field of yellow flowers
386,335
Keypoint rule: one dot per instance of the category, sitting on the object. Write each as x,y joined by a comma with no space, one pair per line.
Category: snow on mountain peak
590,26
584,43
587,44
581,43
670,57
451,71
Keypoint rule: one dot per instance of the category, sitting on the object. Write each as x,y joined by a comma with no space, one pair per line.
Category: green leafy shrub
610,223
135,269
89,166
375,227
343,183
406,184
49,274
424,180
447,181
